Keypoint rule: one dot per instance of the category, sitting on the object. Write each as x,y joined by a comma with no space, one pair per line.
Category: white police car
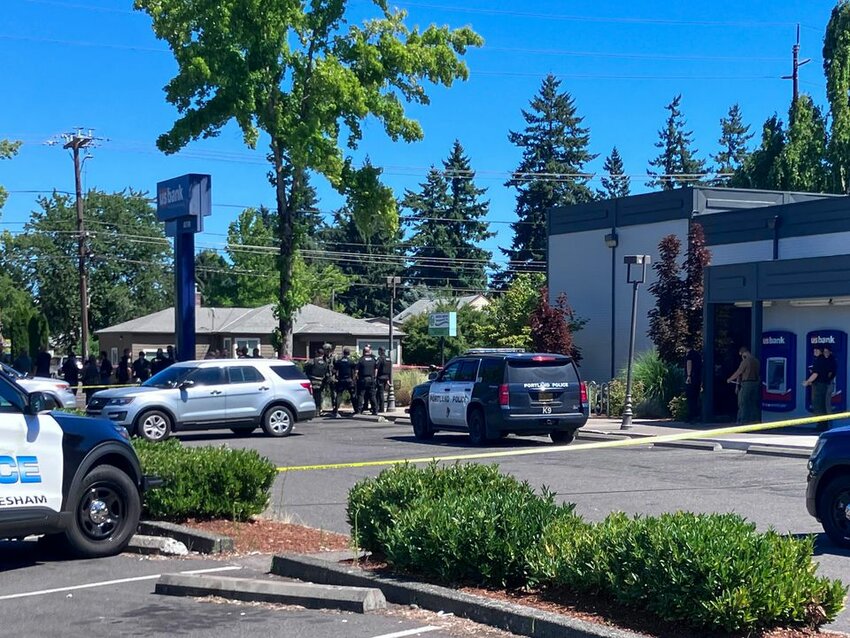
75,478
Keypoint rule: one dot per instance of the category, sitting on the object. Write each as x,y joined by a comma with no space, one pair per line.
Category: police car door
31,460
439,395
461,392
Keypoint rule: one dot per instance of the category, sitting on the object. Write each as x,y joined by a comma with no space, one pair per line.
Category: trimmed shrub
617,395
678,407
464,523
660,381
709,571
205,482
405,381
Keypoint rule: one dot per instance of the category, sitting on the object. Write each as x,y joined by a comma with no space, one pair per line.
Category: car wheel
278,421
562,436
477,427
834,510
422,429
154,425
105,513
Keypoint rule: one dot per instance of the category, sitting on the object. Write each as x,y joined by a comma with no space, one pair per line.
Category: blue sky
96,64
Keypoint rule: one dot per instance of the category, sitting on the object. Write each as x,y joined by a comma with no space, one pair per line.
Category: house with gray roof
231,328
423,306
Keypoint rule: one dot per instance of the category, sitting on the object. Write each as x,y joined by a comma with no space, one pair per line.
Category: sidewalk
789,441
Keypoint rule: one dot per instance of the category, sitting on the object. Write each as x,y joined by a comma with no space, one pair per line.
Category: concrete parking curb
710,446
195,540
509,617
163,545
787,452
356,599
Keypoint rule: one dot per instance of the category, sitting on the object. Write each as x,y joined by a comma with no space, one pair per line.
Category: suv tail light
504,395
307,386
583,387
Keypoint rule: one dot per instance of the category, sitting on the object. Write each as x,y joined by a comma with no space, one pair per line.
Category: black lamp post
392,282
635,275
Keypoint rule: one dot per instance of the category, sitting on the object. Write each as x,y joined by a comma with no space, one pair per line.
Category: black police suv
828,491
491,393
75,478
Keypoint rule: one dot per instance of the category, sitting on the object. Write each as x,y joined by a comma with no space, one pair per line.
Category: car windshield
530,371
10,372
168,378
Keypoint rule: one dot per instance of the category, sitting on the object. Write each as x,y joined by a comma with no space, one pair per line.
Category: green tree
303,74
8,150
803,159
15,311
676,164
762,168
447,220
38,333
129,261
507,321
214,278
734,137
422,349
551,173
836,66
614,179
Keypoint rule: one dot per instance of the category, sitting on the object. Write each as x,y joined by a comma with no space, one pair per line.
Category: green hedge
468,523
205,482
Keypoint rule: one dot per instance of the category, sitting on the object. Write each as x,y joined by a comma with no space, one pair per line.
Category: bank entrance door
731,331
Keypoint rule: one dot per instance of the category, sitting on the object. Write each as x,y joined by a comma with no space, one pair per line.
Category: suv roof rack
495,351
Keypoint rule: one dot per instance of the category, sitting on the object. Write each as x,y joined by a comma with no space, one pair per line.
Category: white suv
240,394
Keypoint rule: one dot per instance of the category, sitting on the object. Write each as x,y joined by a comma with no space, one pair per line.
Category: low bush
660,381
678,407
708,571
617,395
205,482
404,382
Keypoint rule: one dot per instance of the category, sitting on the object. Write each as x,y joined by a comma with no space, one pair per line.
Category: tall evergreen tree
614,180
803,160
677,164
554,152
734,137
447,219
836,66
366,262
762,167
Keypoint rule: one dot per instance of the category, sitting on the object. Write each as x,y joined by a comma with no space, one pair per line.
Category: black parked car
828,493
491,393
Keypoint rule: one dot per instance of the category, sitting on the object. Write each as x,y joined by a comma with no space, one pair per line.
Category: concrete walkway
799,438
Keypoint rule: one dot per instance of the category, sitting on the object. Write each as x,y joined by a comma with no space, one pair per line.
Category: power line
632,56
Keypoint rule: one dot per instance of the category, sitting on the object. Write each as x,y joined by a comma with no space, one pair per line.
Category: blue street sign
184,196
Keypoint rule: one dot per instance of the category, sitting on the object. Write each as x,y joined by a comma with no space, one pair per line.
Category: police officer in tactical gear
383,377
344,370
367,369
317,370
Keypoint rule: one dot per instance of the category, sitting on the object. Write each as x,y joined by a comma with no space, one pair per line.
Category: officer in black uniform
367,369
383,378
317,370
344,371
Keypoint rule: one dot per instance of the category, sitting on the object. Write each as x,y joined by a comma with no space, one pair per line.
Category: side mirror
432,376
185,385
38,402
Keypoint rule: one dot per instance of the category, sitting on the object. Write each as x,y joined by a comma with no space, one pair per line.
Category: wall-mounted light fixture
611,240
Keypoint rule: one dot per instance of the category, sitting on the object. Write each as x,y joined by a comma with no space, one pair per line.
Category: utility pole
796,63
75,142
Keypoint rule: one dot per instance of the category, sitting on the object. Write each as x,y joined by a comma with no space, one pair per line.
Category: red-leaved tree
552,326
695,263
668,320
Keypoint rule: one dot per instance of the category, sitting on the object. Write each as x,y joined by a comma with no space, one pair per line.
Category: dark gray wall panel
736,282
800,278
581,217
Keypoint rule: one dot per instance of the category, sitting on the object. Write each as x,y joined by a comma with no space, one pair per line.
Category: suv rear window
289,373
528,371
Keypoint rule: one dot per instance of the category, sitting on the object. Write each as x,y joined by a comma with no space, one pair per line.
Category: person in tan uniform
749,388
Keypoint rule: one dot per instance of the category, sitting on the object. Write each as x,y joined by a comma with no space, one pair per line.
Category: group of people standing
365,381
99,371
822,382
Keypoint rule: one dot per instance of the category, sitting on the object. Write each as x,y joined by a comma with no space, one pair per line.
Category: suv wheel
278,421
834,510
105,513
154,425
422,429
562,436
477,427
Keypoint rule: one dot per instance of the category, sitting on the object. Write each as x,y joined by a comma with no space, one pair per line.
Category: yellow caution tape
92,387
647,440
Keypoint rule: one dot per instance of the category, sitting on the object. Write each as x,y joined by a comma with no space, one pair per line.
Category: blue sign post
182,203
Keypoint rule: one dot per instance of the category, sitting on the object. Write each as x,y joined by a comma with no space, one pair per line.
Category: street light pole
392,282
635,277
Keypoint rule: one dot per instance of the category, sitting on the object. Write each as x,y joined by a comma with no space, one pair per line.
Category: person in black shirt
125,370
367,369
23,363
42,363
693,381
170,358
71,372
819,382
383,378
317,371
344,369
105,369
141,368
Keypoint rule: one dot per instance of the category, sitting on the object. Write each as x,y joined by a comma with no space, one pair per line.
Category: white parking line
409,632
119,581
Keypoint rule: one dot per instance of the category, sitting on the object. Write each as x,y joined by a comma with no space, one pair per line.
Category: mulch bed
268,536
